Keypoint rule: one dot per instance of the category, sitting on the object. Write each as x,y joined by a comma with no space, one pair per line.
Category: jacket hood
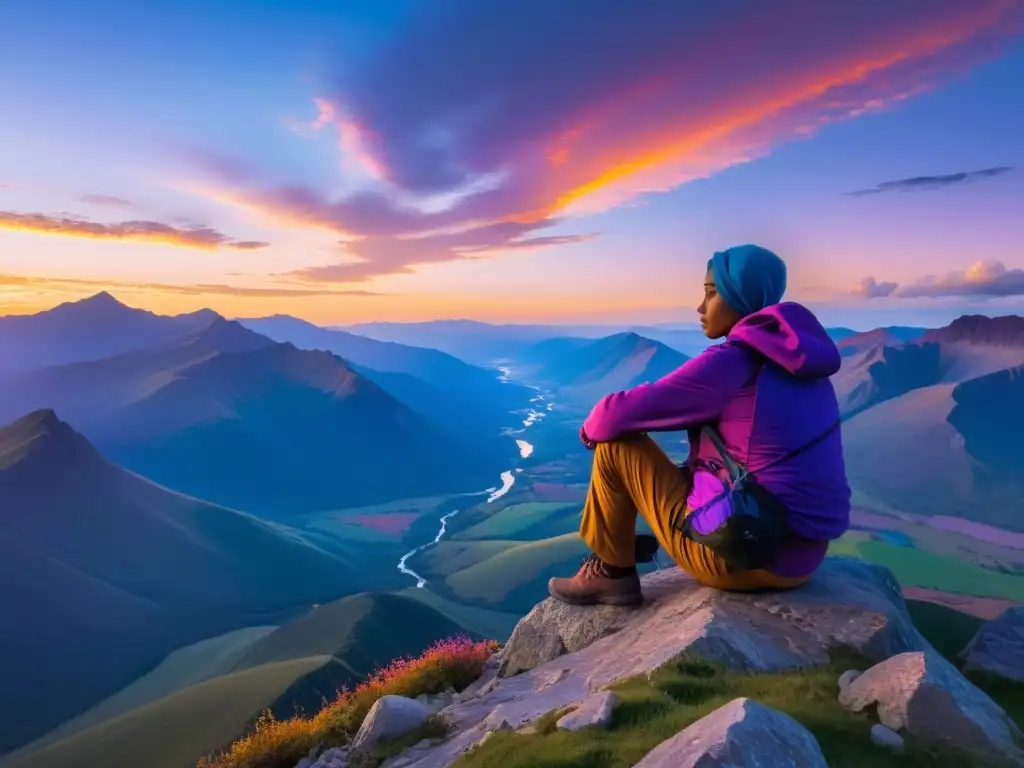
790,336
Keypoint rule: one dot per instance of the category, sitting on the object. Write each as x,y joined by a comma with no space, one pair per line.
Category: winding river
536,410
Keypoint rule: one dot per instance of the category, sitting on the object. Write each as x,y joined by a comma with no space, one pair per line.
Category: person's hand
590,444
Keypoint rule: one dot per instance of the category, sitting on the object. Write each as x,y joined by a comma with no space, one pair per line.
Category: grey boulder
389,717
740,734
926,696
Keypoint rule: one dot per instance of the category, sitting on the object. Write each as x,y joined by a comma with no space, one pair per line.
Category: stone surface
594,712
927,696
390,716
998,646
886,737
848,677
740,734
847,603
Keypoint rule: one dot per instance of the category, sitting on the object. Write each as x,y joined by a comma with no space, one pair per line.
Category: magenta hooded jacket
767,389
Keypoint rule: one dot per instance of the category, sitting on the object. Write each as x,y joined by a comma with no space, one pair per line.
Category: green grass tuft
690,688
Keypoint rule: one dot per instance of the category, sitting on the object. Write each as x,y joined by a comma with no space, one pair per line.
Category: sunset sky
569,160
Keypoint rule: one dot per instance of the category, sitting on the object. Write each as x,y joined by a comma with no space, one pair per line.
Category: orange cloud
196,289
675,95
152,232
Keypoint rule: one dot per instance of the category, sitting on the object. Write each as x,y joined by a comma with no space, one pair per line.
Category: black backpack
756,528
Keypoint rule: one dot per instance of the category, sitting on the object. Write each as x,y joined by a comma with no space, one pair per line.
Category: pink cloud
572,108
984,279
154,232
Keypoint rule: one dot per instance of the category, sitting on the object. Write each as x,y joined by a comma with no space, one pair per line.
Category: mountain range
230,416
465,399
90,329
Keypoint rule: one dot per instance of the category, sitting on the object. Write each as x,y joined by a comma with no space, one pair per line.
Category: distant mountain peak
1005,331
230,336
41,432
103,299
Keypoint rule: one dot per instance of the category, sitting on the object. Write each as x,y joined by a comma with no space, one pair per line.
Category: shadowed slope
102,573
294,668
456,389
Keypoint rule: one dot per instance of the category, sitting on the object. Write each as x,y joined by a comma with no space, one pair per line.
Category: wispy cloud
196,289
394,255
154,232
459,126
109,201
918,183
984,280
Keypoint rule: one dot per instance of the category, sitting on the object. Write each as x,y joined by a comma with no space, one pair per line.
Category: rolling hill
90,329
584,370
467,398
294,667
930,423
232,417
102,573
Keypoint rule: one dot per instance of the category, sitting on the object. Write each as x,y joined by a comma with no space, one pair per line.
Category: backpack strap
738,471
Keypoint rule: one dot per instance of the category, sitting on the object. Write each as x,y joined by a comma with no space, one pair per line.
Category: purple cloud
546,110
869,288
916,183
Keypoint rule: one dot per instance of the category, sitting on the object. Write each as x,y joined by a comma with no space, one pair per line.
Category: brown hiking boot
592,586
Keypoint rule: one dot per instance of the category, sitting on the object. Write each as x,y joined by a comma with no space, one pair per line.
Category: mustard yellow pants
633,476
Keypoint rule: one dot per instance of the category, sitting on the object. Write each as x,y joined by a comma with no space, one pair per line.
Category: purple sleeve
694,393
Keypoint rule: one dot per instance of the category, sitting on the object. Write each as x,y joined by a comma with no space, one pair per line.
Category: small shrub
452,663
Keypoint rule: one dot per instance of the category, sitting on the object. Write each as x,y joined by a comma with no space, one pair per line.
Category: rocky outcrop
741,734
561,655
923,694
848,604
561,659
998,646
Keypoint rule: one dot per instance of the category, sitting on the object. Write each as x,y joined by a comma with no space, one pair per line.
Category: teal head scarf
748,277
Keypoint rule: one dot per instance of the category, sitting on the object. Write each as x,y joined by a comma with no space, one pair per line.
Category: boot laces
591,566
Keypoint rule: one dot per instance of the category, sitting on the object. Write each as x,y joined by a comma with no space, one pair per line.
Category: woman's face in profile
716,317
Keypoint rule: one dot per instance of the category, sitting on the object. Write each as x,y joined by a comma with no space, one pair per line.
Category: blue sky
379,160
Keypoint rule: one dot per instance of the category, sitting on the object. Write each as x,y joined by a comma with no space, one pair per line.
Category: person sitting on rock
765,397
